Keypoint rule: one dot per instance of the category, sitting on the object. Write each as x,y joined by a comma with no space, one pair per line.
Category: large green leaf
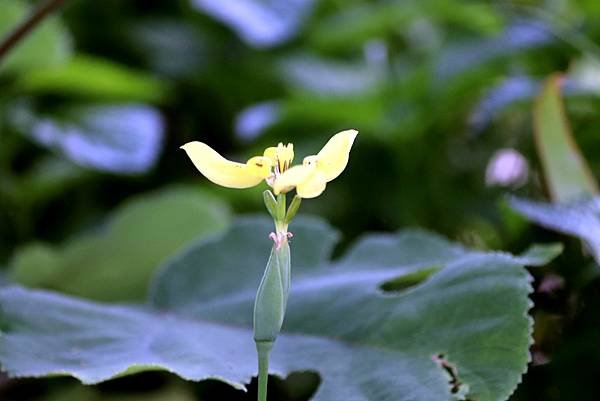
48,45
468,316
116,263
568,176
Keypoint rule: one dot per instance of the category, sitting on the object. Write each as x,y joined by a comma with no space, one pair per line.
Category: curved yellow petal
271,153
307,179
333,158
259,166
225,172
292,177
313,186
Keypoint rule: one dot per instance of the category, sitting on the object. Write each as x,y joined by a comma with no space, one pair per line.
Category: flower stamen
281,157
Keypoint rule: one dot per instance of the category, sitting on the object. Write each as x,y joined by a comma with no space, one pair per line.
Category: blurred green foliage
116,261
435,87
48,46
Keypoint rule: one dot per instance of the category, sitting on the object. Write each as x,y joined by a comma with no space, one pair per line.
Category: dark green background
412,76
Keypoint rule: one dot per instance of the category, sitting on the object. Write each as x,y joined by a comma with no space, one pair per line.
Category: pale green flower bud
272,295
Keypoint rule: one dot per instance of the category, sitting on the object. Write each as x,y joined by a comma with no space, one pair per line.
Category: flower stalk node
279,238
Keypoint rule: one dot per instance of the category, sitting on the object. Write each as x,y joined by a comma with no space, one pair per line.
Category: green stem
280,223
264,349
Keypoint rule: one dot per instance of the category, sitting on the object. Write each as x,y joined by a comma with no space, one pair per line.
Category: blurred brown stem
27,25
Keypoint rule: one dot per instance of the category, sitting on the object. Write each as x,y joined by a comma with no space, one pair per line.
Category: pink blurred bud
507,168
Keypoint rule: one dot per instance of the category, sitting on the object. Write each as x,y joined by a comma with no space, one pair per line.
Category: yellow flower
274,166
281,156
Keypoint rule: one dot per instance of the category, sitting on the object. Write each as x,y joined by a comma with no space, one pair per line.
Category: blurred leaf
583,79
538,255
509,91
93,78
48,177
321,76
355,25
366,113
117,138
479,17
253,120
116,262
580,219
567,175
260,23
468,317
461,57
584,75
48,45
324,92
171,46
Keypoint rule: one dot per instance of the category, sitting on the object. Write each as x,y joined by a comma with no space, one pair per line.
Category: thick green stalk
272,294
264,349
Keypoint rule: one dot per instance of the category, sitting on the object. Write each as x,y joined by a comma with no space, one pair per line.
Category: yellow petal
225,172
333,158
259,166
292,177
307,180
271,153
312,187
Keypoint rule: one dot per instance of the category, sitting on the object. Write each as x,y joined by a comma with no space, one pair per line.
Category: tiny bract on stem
309,179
